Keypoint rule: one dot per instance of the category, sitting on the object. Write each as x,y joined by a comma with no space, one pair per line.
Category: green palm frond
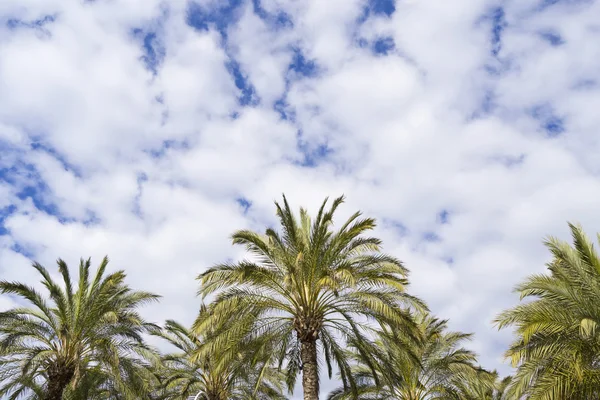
81,341
556,351
430,366
248,374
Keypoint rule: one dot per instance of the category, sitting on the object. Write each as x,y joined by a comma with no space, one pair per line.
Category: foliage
306,297
78,338
484,386
308,290
557,349
434,367
184,375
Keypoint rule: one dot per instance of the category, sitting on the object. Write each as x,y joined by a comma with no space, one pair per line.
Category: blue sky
149,130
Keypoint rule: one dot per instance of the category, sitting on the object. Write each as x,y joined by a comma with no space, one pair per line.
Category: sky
150,130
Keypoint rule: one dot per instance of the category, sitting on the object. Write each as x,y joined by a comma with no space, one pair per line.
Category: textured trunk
310,373
58,379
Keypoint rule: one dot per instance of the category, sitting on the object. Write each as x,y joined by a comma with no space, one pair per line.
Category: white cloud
439,125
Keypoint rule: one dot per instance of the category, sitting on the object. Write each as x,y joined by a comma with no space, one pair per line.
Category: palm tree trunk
310,373
58,379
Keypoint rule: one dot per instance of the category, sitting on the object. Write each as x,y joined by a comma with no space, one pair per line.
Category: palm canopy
434,367
183,374
557,348
78,334
307,290
484,385
97,384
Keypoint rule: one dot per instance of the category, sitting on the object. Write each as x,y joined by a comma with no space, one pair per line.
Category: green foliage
484,385
184,373
435,366
86,339
304,284
557,349
307,297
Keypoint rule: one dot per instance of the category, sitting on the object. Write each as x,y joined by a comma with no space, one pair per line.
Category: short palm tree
59,342
97,384
434,367
557,348
183,375
306,291
484,385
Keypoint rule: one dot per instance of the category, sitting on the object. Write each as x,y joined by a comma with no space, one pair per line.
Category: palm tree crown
81,334
184,374
308,290
484,385
435,366
557,349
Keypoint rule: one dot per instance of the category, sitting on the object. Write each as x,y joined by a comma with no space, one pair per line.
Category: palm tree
97,384
557,349
92,331
484,385
306,291
435,367
183,375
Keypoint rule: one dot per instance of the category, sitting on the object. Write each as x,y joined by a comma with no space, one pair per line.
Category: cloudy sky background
149,130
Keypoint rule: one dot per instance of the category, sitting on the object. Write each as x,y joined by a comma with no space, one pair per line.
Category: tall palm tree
184,375
59,342
557,348
306,291
435,367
